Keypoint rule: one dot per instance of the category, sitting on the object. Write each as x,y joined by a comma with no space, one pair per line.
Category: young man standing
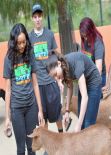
43,42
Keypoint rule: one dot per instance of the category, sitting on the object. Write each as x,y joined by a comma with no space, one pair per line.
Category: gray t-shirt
22,93
42,45
80,64
99,52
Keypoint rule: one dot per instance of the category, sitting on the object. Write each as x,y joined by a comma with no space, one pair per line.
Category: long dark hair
88,27
12,45
52,62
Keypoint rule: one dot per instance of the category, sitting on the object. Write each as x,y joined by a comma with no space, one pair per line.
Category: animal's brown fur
95,140
104,113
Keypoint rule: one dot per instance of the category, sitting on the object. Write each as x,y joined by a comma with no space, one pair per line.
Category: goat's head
36,141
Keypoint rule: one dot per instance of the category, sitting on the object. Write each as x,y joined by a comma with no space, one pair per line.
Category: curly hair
52,62
12,45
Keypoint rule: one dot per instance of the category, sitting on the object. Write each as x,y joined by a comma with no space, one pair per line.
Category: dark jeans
24,120
94,95
103,79
103,83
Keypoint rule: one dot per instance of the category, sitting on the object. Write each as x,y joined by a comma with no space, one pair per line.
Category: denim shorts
51,101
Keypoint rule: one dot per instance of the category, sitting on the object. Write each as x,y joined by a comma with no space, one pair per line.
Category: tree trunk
66,31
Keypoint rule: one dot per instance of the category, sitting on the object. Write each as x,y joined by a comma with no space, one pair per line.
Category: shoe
68,124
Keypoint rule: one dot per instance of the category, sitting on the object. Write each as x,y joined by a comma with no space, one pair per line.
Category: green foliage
13,11
83,8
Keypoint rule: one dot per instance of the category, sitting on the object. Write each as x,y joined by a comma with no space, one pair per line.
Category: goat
104,113
94,140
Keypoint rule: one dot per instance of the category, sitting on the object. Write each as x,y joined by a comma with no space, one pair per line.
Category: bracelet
67,111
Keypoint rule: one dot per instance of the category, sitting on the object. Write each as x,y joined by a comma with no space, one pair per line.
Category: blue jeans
103,76
24,120
94,96
103,79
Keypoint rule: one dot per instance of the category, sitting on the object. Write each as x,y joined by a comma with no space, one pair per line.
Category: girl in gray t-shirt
77,65
21,84
93,46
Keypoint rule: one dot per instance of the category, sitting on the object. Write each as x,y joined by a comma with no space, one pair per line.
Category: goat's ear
32,135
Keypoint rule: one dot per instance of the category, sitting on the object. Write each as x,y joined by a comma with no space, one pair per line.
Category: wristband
67,111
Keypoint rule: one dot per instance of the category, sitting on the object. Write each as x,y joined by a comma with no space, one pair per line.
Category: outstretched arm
7,104
68,101
69,95
84,101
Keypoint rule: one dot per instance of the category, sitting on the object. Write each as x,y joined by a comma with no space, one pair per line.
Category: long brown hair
52,62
